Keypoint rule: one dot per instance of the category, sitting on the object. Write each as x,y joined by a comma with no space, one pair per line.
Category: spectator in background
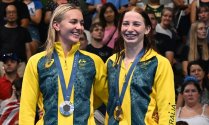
94,7
15,39
96,46
109,19
22,12
197,48
153,20
10,65
182,18
35,10
155,7
199,71
121,5
193,112
132,4
83,41
10,111
86,14
196,4
50,7
203,15
165,35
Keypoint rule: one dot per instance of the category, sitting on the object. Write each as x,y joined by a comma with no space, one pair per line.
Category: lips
190,98
130,36
76,34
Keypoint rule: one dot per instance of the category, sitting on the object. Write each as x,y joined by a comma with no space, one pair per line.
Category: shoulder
152,53
162,59
108,48
35,58
94,57
163,63
206,110
112,58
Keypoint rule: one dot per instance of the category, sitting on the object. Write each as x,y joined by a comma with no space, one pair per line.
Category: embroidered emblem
48,64
82,62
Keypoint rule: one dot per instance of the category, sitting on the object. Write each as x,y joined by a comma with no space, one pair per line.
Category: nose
196,72
130,28
190,92
79,26
205,30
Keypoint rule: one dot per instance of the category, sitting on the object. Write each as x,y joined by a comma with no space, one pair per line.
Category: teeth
130,35
76,33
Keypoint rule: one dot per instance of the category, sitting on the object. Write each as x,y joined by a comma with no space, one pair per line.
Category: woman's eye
82,23
73,21
125,24
137,24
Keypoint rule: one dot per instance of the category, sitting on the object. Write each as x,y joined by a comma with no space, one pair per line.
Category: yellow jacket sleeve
100,85
165,94
30,94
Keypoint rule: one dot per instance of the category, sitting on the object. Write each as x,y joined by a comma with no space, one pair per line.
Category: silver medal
66,108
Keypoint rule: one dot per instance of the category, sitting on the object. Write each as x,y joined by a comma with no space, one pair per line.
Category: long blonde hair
193,42
57,16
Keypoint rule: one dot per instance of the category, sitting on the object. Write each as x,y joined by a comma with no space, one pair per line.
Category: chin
131,41
74,40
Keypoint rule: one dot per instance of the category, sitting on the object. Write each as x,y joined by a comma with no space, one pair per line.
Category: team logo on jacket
49,63
82,63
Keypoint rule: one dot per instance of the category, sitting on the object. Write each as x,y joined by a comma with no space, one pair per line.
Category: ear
148,28
56,26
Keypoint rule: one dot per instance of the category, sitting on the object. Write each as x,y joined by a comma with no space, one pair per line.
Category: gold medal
118,113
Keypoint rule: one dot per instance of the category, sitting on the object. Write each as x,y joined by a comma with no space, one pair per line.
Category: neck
96,43
200,41
200,83
193,106
66,47
11,25
163,26
109,24
11,76
132,50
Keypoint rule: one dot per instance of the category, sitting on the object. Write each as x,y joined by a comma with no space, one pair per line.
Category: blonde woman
66,83
197,48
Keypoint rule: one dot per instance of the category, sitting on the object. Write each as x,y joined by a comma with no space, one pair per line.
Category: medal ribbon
66,91
120,98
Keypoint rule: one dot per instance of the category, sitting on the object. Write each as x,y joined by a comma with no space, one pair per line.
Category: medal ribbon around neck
121,96
66,91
